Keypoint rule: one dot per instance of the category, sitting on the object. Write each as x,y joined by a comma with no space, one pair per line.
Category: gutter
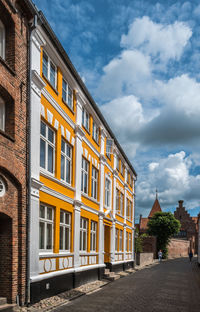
28,216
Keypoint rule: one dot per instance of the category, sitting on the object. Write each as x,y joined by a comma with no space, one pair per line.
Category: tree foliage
138,242
163,225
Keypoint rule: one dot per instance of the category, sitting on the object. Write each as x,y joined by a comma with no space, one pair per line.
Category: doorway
5,256
106,244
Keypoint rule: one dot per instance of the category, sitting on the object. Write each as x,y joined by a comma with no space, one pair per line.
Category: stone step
113,277
7,307
123,273
106,271
3,300
130,270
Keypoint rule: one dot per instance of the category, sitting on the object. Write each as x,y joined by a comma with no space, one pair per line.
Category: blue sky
140,61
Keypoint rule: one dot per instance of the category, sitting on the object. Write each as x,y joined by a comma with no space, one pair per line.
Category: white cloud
165,41
171,176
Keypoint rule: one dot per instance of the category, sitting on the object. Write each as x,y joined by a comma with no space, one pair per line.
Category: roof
73,71
143,223
155,208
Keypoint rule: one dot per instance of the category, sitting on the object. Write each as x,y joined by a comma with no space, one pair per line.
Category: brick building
14,18
189,226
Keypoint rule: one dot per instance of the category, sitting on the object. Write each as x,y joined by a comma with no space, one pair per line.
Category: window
49,70
94,183
2,188
67,94
130,242
93,236
107,193
109,147
117,201
121,204
65,231
120,240
95,132
116,239
47,147
122,168
128,209
117,165
85,119
84,175
46,228
66,161
83,234
2,40
2,114
127,242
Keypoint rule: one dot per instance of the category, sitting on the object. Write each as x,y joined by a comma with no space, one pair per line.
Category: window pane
41,235
64,91
84,240
82,181
50,135
94,242
50,158
70,98
45,65
62,217
67,247
62,167
49,213
68,152
85,183
52,75
43,129
42,211
67,218
42,153
67,171
63,146
49,236
61,237
80,240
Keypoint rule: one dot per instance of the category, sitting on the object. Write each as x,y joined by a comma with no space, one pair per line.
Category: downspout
28,216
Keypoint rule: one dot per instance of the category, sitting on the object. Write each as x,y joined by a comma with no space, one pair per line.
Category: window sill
71,109
90,198
47,174
3,62
49,83
7,136
97,143
119,215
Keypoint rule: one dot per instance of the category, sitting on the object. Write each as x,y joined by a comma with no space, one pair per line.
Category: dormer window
2,114
2,40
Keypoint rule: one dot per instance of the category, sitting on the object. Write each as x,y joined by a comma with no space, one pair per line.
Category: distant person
160,255
190,255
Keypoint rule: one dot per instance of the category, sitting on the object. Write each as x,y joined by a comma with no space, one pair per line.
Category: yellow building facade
82,183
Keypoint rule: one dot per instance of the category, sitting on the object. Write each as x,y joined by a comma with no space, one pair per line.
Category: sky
140,60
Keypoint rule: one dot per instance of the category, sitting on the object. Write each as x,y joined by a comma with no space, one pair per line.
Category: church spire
156,206
156,194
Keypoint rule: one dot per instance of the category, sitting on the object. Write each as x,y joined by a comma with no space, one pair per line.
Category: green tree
138,242
163,225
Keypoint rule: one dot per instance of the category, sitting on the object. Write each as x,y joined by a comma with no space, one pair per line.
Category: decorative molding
79,132
56,194
52,178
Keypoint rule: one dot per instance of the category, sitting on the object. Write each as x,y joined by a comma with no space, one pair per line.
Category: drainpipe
29,40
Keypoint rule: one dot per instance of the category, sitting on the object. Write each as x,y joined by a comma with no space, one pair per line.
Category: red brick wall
13,152
178,248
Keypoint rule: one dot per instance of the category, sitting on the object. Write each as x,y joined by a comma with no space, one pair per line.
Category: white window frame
2,40
94,184
65,227
66,158
66,100
2,114
93,236
48,77
121,206
120,240
95,132
122,168
46,222
108,193
47,143
84,173
86,119
83,230
117,163
127,241
128,209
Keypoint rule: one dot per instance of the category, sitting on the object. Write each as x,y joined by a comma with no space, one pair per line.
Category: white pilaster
77,211
101,239
124,242
112,242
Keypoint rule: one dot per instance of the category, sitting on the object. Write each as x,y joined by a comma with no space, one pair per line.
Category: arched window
2,40
2,114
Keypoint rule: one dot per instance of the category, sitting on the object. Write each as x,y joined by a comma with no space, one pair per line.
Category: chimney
180,203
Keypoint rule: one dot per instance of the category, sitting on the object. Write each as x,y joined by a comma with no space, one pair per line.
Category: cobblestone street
172,286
